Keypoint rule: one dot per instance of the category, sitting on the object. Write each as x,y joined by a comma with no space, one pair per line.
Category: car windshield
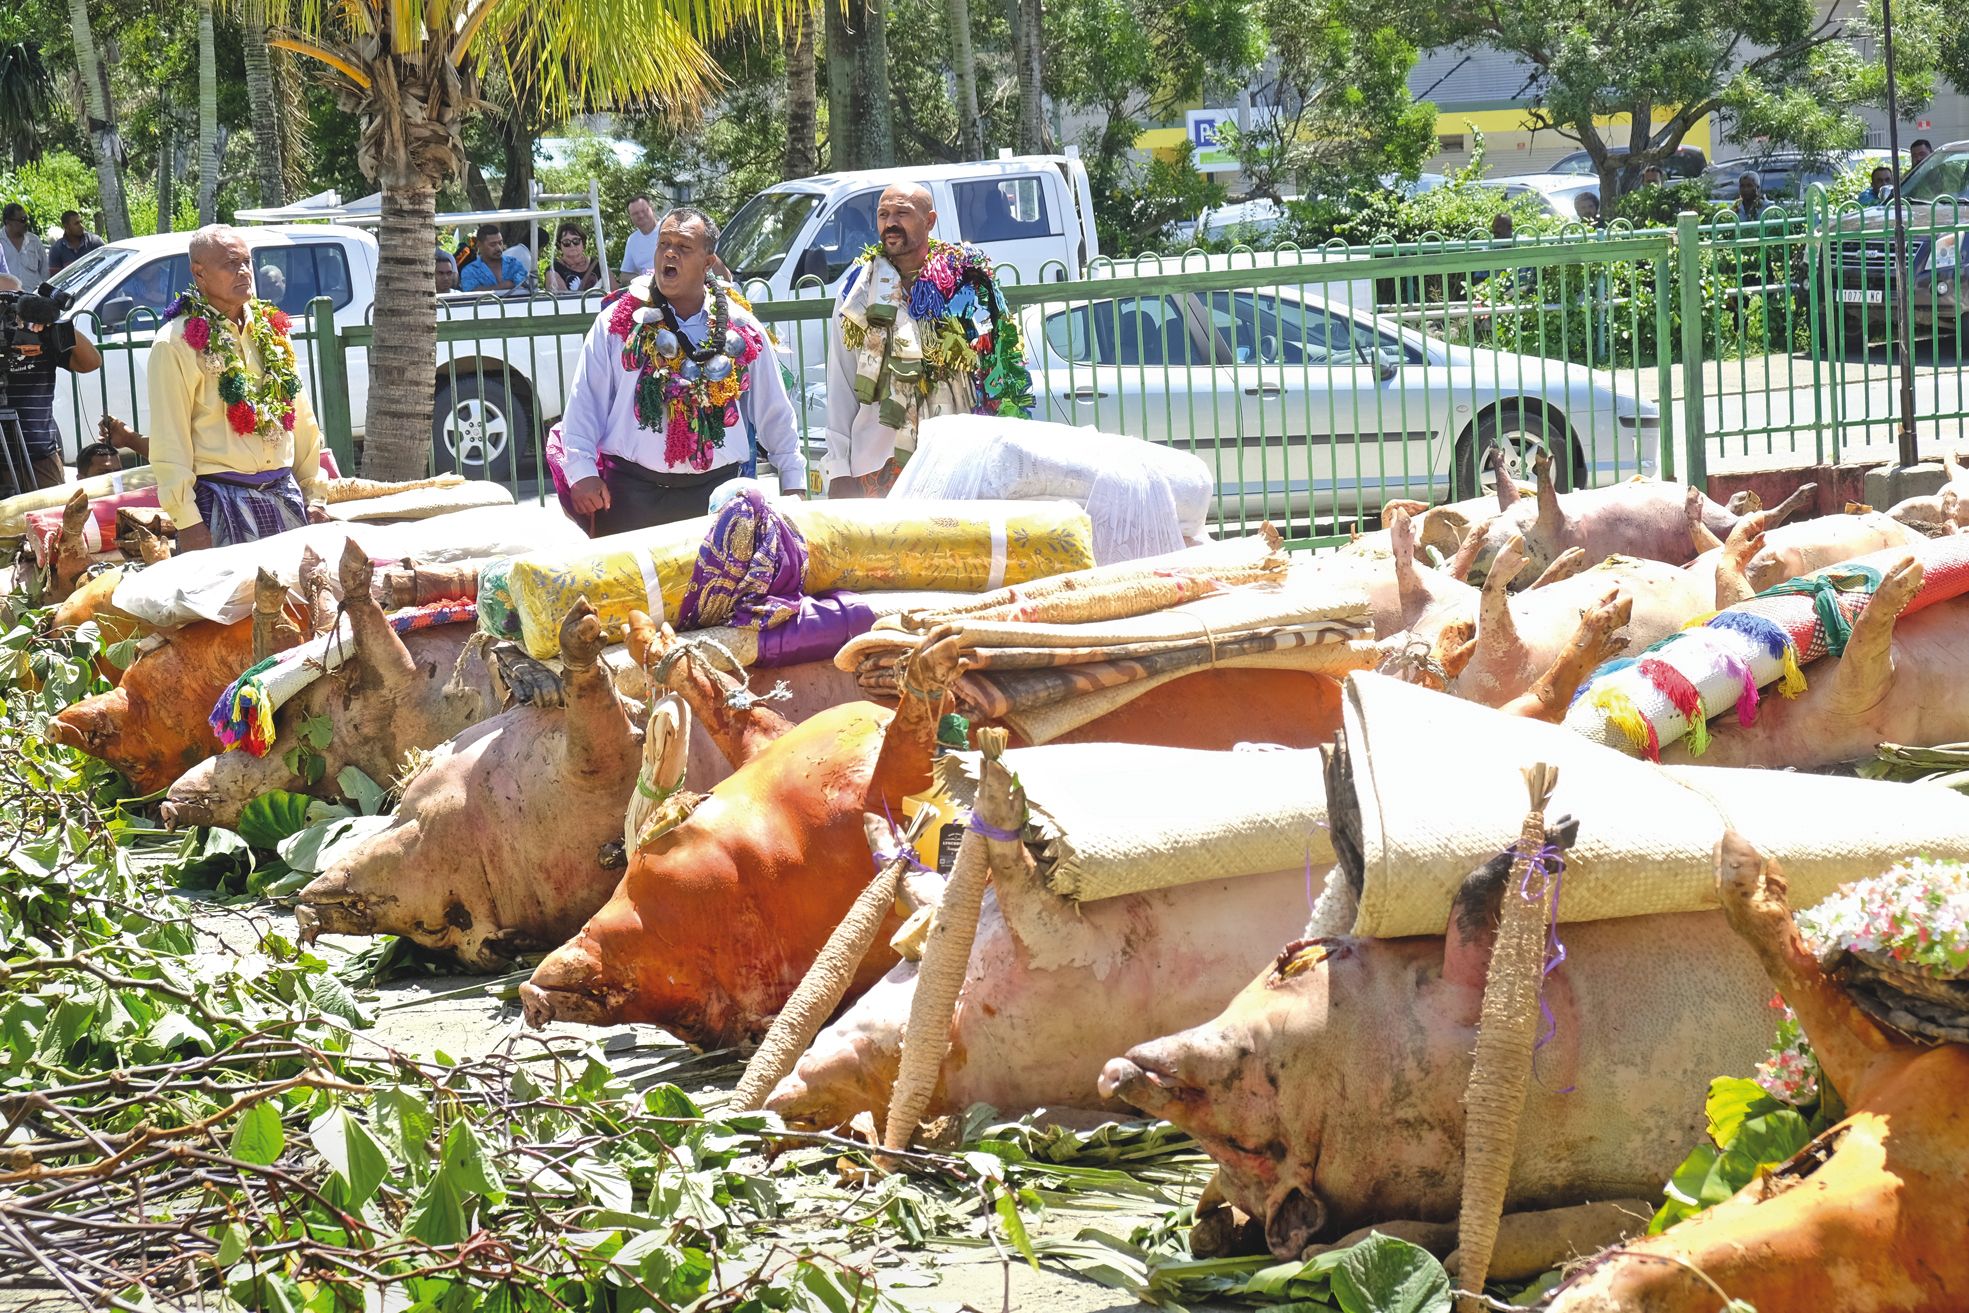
754,244
1943,176
91,270
1578,163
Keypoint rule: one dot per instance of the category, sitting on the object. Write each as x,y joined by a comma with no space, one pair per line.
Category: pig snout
830,1085
333,904
1158,1092
568,985
90,725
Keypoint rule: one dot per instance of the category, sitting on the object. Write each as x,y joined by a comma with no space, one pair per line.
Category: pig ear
1294,1216
1473,928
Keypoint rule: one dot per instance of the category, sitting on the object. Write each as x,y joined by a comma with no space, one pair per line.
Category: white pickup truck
493,391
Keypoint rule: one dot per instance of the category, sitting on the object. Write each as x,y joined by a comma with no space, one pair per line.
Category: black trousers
640,497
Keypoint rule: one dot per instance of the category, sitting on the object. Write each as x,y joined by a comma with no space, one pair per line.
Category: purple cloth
750,571
243,508
819,629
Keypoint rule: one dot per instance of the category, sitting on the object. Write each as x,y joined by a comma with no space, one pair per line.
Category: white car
1557,192
496,386
1304,408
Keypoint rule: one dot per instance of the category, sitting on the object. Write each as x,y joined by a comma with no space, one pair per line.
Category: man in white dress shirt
675,383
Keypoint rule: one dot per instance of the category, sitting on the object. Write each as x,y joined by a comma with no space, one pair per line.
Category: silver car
1302,408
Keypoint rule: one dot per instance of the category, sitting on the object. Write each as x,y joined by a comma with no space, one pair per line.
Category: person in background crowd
75,242
1587,206
272,284
447,272
1919,151
495,269
1503,227
97,458
1879,187
120,435
27,257
573,269
639,248
31,388
1652,176
629,467
230,471
1750,196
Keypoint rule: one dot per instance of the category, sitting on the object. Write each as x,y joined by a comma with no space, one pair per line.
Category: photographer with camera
35,342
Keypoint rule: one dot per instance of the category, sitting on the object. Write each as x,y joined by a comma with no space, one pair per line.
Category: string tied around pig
739,695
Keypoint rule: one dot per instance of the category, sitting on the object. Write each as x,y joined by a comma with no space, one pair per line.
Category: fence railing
1316,385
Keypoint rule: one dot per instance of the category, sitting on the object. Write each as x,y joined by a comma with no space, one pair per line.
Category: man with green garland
920,329
234,442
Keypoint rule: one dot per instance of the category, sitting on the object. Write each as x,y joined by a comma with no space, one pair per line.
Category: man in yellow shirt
234,442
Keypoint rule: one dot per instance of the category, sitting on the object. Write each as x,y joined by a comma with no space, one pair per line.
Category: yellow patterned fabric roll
873,546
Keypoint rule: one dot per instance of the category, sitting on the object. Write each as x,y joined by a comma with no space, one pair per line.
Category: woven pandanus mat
1118,818
1438,789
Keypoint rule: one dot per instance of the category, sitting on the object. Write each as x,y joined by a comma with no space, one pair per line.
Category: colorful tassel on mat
1624,716
1684,697
243,718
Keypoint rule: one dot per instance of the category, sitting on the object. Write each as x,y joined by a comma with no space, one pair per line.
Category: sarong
748,573
243,508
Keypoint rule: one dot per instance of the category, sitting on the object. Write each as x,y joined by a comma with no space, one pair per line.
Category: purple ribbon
990,831
1547,861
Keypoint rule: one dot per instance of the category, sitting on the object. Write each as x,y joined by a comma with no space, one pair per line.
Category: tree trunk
102,123
1035,136
208,116
970,124
802,96
267,171
167,167
875,113
402,357
843,54
515,132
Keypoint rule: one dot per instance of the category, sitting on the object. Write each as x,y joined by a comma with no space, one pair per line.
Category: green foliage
57,181
1377,215
1750,1132
1133,214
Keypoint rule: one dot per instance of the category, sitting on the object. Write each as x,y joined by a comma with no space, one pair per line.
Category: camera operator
48,344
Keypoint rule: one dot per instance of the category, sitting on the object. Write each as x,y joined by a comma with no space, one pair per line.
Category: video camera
20,313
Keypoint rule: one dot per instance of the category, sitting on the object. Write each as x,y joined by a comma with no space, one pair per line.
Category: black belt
667,478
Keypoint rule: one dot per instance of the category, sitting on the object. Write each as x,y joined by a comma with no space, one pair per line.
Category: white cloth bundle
1145,499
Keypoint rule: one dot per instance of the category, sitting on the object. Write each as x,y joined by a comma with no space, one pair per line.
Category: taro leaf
1384,1275
317,847
305,762
1731,1099
121,654
316,731
272,816
346,1145
258,1137
358,788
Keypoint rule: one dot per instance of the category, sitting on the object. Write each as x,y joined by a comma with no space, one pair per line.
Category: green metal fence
1317,385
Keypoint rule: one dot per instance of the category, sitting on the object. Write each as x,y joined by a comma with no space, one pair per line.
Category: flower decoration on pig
689,394
1915,914
263,405
946,342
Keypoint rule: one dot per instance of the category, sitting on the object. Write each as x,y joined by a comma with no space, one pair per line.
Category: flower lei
689,393
966,328
264,405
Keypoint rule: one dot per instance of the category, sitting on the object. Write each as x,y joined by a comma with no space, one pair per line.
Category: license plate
1862,296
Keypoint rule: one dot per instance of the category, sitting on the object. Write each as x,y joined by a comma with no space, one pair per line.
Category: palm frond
589,54
342,62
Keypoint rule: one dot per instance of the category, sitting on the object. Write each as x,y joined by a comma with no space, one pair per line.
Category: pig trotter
1701,536
613,856
1743,501
1865,671
1569,563
528,683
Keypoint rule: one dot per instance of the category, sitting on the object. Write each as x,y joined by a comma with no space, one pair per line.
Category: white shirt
601,411
28,261
858,442
639,251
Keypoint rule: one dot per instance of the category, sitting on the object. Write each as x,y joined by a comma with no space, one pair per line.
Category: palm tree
802,94
267,109
102,123
411,68
167,165
970,125
25,90
208,116
1035,136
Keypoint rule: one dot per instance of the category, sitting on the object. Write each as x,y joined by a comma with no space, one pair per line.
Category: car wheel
1522,431
480,428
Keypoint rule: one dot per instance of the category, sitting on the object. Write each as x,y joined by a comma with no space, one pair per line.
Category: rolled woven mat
1642,704
14,510
1435,792
98,531
341,490
421,503
243,716
1112,818
1131,588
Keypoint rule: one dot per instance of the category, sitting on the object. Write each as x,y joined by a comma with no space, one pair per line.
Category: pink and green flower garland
264,405
676,389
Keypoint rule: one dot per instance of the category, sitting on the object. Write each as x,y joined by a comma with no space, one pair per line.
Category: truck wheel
480,429
1521,431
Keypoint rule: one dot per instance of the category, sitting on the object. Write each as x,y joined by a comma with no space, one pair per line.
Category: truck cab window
847,232
1003,210
151,288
